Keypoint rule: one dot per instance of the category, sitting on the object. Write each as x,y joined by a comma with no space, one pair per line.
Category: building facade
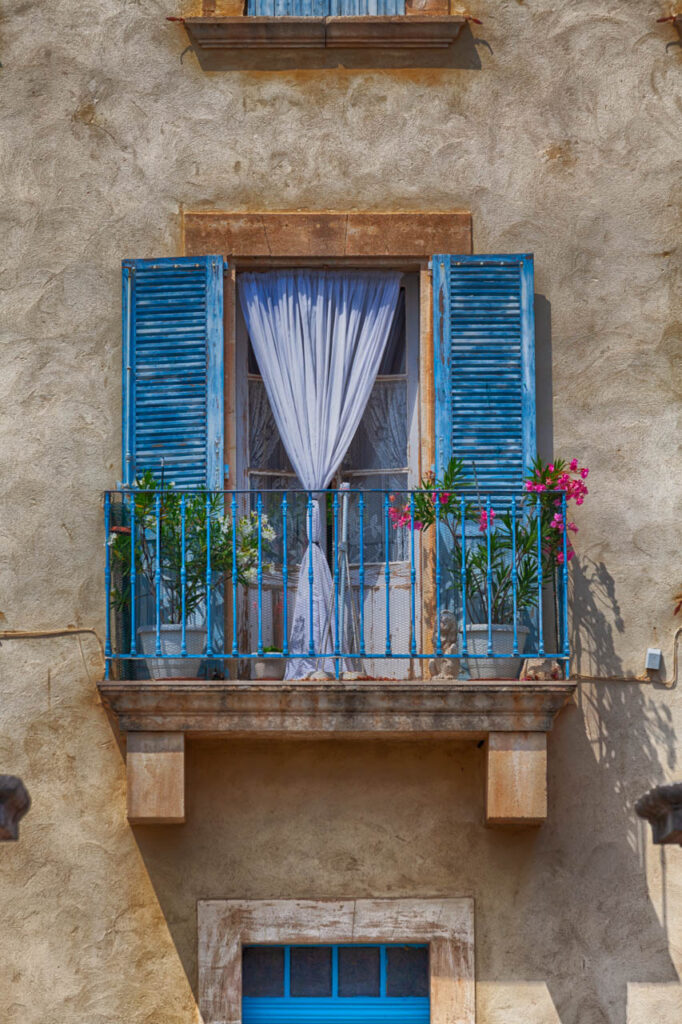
394,836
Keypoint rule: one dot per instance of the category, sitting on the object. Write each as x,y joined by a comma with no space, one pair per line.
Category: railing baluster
311,639
564,590
463,578
387,576
413,583
157,575
489,575
541,639
209,579
235,578
285,579
439,635
337,649
514,577
361,571
107,582
183,573
133,578
259,520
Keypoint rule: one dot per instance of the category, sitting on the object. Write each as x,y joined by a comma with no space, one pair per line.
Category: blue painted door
345,984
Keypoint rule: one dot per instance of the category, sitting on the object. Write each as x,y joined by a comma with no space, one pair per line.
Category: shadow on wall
595,614
565,907
543,377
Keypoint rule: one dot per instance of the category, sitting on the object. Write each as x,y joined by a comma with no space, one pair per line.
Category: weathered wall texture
562,137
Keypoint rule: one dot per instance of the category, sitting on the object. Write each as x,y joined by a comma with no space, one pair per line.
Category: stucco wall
563,139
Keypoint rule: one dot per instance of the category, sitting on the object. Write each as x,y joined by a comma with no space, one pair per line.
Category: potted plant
272,667
178,586
501,552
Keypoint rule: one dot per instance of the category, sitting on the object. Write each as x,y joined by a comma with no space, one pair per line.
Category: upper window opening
317,976
324,8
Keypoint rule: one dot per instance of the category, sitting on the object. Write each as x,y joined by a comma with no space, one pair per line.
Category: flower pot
502,643
268,668
171,643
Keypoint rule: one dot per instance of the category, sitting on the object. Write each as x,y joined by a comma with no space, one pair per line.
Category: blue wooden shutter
484,366
173,370
324,8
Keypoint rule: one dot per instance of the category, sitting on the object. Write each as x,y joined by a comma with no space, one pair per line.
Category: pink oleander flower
444,498
574,465
572,527
583,472
483,524
550,468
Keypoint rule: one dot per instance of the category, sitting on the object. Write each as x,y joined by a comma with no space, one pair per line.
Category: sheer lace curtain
318,337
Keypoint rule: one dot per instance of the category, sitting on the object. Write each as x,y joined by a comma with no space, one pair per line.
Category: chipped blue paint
484,366
324,8
173,383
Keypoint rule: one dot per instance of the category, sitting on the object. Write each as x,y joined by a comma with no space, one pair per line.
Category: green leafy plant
162,517
502,550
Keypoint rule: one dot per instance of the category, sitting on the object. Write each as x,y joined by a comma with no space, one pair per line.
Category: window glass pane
393,360
380,442
407,971
359,973
266,450
311,971
263,971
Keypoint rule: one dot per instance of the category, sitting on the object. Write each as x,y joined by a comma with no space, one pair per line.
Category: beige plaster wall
562,137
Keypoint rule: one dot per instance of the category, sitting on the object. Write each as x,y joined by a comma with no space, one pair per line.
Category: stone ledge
398,32
335,709
280,44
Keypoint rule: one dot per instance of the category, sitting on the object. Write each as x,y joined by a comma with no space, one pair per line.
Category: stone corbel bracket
514,717
662,808
14,803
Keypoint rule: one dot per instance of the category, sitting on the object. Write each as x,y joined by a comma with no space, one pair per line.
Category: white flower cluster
247,527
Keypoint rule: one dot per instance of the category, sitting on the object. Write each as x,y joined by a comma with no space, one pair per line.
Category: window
253,936
323,8
318,984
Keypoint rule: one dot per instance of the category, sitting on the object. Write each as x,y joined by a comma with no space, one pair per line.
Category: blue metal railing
415,575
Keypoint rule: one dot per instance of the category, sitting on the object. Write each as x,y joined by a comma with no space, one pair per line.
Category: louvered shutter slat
485,366
173,370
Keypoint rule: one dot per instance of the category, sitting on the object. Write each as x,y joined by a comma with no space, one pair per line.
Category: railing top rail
459,491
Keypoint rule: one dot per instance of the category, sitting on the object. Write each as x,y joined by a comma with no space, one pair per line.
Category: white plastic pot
268,668
502,643
171,643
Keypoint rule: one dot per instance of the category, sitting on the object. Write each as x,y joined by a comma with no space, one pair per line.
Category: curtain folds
318,337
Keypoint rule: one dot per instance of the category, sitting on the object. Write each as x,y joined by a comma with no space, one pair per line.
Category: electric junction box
653,659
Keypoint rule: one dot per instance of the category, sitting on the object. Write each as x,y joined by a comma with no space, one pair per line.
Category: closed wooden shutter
323,8
173,370
484,367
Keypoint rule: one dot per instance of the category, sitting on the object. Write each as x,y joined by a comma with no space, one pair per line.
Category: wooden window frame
403,240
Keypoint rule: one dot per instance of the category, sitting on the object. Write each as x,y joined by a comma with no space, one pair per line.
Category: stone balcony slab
335,709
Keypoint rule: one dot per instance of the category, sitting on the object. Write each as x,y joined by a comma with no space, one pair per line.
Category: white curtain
318,337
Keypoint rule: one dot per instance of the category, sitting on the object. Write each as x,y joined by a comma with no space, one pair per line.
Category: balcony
348,612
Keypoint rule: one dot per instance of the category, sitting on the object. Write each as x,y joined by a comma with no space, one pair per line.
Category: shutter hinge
430,265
